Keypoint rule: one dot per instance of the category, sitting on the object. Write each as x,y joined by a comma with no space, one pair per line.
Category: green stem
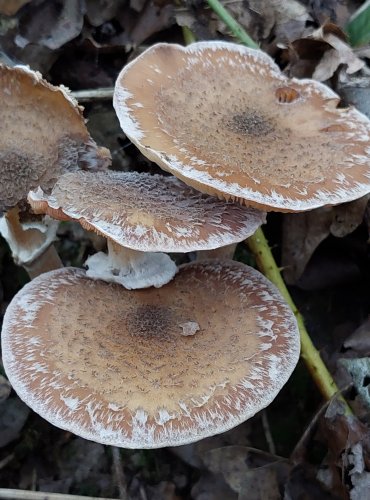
310,355
188,35
237,30
266,262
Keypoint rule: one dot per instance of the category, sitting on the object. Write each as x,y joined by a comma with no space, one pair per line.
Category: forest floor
299,447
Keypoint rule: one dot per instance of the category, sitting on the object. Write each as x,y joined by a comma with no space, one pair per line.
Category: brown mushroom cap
42,135
224,119
150,213
154,367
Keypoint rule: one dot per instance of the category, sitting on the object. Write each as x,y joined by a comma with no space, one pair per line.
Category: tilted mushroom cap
154,367
42,135
224,119
150,213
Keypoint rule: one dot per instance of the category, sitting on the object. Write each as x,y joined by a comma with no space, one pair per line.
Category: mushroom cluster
175,355
141,216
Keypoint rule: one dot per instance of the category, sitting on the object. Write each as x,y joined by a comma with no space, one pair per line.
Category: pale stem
131,268
31,243
226,252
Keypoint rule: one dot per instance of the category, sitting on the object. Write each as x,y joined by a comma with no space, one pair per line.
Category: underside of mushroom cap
144,212
155,367
224,119
27,240
42,135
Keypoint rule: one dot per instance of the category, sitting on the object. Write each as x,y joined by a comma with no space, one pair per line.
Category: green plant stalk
188,35
310,355
237,30
266,262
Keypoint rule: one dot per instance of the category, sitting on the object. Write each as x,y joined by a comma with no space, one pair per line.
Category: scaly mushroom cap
155,367
224,119
42,135
146,212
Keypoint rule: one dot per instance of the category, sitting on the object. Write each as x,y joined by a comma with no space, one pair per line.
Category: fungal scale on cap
154,367
224,119
141,215
42,135
149,213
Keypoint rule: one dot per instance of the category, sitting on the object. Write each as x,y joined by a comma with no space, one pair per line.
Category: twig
10,494
310,355
267,431
102,94
4,462
237,30
118,473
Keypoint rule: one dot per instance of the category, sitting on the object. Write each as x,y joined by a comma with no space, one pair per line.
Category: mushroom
154,367
42,136
141,214
224,119
30,241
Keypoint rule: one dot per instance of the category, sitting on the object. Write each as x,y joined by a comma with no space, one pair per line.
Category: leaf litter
84,44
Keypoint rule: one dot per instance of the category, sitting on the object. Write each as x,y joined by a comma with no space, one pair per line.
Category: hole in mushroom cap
191,120
286,95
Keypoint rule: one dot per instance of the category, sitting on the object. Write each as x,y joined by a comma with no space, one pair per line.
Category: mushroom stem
131,268
225,252
31,243
310,355
48,261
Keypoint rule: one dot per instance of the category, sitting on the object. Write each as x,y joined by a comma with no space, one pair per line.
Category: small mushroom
42,136
141,214
114,366
226,120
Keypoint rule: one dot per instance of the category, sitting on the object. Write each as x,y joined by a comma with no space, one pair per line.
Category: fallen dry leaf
335,11
13,416
212,487
320,53
5,389
47,25
254,474
11,7
355,89
359,340
303,233
98,12
359,369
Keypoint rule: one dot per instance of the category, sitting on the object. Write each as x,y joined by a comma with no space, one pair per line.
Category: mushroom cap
224,119
150,213
154,367
42,135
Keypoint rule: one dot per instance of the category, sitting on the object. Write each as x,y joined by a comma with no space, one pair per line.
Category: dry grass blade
10,494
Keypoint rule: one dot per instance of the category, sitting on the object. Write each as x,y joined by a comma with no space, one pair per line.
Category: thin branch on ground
10,494
101,94
267,431
119,474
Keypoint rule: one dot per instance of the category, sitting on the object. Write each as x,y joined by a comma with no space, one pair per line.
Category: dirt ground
299,447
